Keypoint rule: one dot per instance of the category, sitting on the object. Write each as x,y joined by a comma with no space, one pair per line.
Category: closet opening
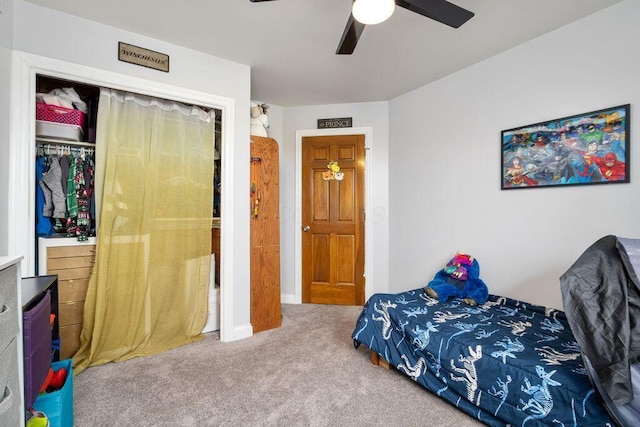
61,131
66,224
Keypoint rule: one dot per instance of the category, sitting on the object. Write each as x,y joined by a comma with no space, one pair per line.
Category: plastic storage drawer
10,395
8,307
58,131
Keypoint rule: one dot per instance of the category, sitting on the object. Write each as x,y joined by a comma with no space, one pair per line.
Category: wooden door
265,235
333,220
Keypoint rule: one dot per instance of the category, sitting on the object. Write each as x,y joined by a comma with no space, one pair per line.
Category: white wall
276,121
47,33
444,161
6,40
372,114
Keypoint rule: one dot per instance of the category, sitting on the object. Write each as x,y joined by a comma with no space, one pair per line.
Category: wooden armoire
265,234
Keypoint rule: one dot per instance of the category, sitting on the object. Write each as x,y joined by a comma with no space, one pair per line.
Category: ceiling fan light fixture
371,12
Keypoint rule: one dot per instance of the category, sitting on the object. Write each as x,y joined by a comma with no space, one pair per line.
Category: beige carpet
306,373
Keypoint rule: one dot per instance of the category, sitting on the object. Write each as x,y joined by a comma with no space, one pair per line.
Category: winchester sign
144,57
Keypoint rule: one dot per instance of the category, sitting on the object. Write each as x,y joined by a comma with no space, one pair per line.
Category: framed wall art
588,148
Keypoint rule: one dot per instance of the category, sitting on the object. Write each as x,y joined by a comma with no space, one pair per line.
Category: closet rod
45,141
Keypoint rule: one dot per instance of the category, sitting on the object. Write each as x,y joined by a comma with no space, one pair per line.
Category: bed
503,362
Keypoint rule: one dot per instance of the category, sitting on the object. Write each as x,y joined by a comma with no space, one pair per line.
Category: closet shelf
55,141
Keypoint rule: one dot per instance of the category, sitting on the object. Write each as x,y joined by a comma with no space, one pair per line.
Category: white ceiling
291,44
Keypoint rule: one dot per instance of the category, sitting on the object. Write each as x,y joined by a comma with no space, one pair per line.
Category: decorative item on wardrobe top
259,119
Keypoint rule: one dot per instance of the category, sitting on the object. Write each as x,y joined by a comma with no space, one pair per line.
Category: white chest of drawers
11,375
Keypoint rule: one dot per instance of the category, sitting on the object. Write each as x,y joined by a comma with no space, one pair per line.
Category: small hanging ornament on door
255,196
255,191
334,172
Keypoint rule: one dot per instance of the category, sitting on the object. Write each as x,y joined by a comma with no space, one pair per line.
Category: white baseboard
289,299
241,332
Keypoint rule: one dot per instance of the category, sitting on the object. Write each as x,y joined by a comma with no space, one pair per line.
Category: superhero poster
589,148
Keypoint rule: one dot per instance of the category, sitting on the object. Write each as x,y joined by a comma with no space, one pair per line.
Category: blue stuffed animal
459,279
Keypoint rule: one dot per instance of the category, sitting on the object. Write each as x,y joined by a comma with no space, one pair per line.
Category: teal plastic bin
58,405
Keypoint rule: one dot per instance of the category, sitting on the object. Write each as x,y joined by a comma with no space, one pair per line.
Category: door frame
368,201
21,236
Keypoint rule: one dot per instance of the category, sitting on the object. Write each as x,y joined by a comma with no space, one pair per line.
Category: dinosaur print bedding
505,362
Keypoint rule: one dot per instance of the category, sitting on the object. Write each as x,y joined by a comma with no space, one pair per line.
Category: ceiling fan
439,10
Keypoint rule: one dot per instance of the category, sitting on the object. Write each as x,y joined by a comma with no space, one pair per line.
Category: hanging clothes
90,162
82,195
72,200
43,224
55,206
64,192
64,173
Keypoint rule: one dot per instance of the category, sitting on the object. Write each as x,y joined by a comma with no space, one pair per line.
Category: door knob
306,228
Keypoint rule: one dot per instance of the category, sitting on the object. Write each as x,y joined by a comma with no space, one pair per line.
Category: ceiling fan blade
439,10
257,1
350,36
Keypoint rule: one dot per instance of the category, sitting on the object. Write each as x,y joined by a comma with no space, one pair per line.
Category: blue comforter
504,362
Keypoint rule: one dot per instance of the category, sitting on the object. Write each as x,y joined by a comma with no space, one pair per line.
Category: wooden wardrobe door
265,235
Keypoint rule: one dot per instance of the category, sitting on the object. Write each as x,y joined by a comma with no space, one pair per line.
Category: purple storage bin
37,347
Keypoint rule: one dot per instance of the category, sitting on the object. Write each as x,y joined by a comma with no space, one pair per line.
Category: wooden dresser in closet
73,262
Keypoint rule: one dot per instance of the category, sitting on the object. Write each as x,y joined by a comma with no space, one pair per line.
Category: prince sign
345,122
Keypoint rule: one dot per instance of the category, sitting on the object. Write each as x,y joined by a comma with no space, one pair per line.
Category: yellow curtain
149,288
